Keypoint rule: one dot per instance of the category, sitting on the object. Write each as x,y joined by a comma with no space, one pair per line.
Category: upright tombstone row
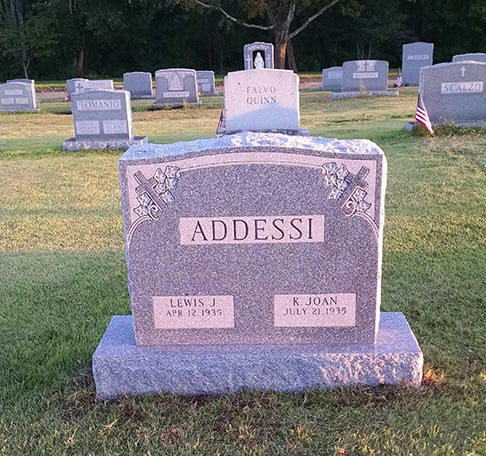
414,57
18,95
102,119
290,230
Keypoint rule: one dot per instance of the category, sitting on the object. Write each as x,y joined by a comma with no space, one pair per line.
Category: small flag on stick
422,117
399,78
66,96
221,124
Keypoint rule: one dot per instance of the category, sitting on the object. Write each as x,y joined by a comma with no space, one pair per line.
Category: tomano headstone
454,92
262,100
102,119
332,78
365,77
415,56
251,51
205,83
176,87
18,96
472,57
139,84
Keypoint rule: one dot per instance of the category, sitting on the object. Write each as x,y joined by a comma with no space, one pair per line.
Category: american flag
399,79
221,124
66,96
421,115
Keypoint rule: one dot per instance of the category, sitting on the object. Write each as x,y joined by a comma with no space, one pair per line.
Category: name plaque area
183,94
418,57
372,75
334,75
13,92
98,105
251,230
315,310
462,87
193,312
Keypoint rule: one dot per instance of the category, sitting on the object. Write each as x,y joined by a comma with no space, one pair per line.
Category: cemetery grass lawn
63,275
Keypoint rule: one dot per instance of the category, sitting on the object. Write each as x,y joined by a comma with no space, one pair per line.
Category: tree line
59,39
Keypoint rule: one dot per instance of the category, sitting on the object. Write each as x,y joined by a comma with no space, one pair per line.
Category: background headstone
18,96
473,57
176,87
206,83
139,84
261,100
26,81
72,84
332,78
370,75
254,261
102,119
88,84
455,92
415,56
250,50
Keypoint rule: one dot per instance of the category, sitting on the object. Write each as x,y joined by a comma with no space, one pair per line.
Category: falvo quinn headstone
415,56
454,92
18,96
473,57
365,77
139,84
205,83
251,50
332,78
102,120
254,261
176,87
262,100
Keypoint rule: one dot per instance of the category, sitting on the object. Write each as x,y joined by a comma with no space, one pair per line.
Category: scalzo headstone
102,119
332,78
205,83
139,84
260,50
254,261
18,96
176,87
415,56
472,57
454,92
365,77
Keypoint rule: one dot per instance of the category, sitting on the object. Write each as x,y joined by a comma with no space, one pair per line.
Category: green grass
63,275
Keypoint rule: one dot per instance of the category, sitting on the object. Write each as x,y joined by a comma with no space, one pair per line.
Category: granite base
298,132
13,111
409,126
369,93
142,97
121,367
72,144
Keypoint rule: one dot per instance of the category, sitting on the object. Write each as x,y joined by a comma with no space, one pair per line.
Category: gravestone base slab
177,105
298,132
369,93
72,145
121,367
142,97
20,110
409,126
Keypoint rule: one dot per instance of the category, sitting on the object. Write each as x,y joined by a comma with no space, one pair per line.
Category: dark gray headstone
176,87
472,57
332,78
455,92
205,82
139,84
73,84
415,56
265,50
17,96
368,75
25,81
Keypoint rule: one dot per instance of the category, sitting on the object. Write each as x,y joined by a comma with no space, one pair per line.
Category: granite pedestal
369,93
72,144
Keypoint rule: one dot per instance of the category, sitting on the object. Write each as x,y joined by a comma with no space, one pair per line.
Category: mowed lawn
63,275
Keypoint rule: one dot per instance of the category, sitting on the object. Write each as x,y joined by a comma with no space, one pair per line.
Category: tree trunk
80,63
291,57
280,53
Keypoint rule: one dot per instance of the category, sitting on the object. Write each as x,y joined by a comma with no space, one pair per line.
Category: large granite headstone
472,57
102,119
254,261
251,51
139,84
176,87
415,56
262,100
18,96
73,84
365,77
25,81
455,92
332,78
205,83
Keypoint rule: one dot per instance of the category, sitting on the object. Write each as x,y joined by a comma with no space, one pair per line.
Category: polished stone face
332,78
365,75
205,82
102,114
139,84
17,96
176,86
455,92
254,239
415,56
